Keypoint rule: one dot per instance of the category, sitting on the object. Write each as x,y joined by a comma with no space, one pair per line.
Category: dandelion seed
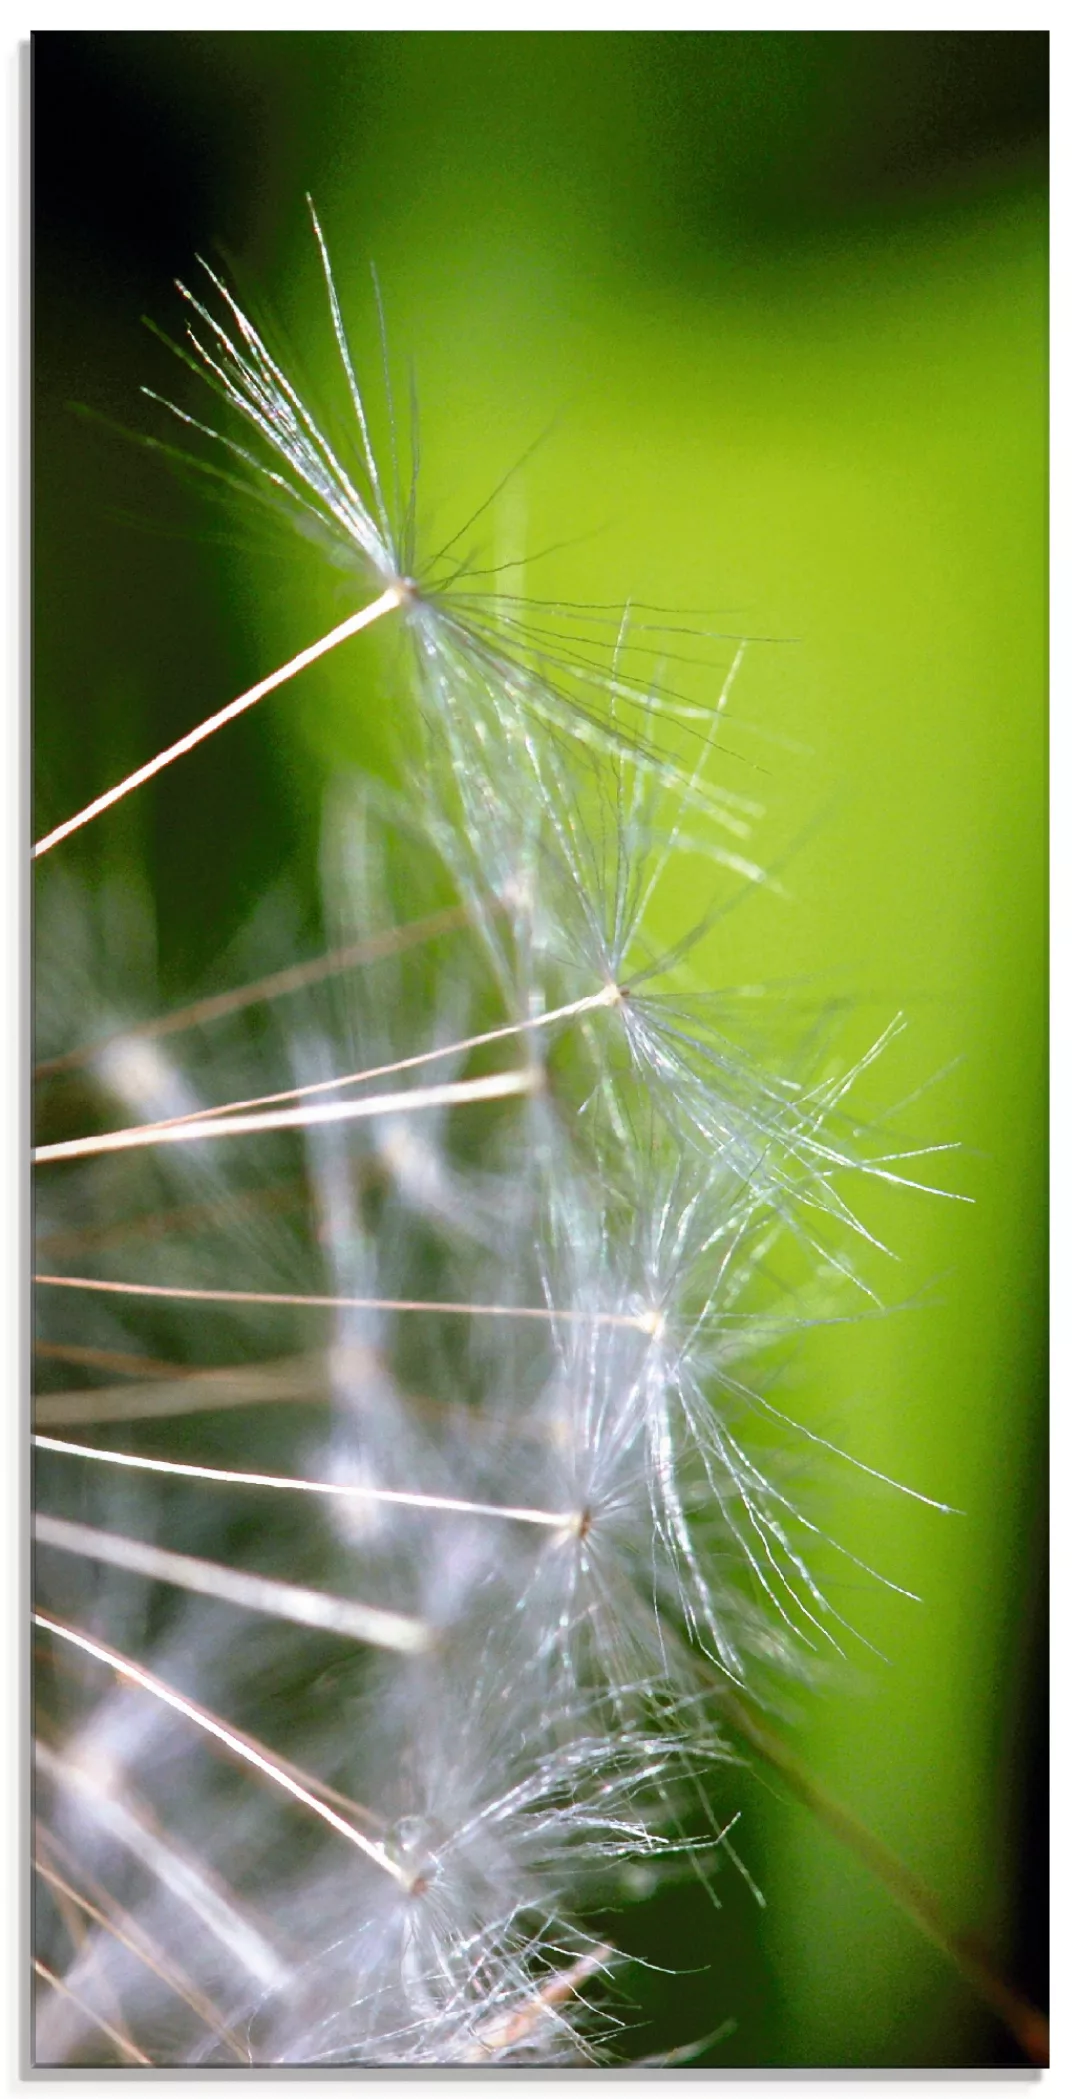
608,997
392,1497
437,1306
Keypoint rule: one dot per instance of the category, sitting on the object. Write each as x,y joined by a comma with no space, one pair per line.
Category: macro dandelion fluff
421,1501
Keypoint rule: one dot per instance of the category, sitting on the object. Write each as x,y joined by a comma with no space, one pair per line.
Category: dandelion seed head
494,1371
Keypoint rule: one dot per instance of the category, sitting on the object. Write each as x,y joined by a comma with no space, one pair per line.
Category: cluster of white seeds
405,1489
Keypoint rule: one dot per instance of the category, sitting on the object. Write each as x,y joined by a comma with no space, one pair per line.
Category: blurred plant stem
1028,2026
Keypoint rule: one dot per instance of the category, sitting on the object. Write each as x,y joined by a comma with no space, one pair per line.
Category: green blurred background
784,296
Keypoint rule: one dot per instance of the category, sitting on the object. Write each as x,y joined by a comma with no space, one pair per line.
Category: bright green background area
799,384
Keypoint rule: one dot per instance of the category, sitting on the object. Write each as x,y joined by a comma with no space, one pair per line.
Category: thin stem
269,1199
1025,2022
368,614
500,1085
396,1498
108,1790
114,1359
236,1743
151,1956
251,1592
511,2027
640,1322
610,996
126,2047
219,1005
289,1379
